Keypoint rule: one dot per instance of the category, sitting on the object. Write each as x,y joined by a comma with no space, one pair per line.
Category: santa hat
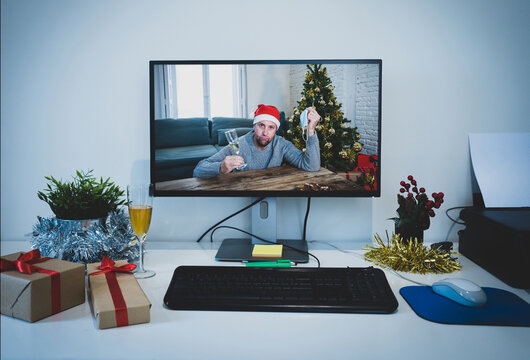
266,112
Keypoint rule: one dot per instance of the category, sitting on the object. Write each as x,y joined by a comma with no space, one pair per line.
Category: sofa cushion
220,123
221,137
181,132
179,156
174,173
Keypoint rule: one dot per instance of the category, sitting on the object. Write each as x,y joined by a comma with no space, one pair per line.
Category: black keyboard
329,290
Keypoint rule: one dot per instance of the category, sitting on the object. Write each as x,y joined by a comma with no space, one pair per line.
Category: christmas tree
339,143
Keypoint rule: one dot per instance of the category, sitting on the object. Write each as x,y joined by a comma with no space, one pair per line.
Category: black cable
306,216
228,217
267,241
453,208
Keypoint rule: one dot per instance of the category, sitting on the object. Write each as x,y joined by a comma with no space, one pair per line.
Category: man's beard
263,143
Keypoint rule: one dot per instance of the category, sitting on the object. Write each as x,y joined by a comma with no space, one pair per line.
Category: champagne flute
140,201
233,141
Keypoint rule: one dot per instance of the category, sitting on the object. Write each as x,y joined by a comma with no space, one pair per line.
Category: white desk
72,334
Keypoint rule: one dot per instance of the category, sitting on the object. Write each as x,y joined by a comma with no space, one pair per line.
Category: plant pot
81,226
409,233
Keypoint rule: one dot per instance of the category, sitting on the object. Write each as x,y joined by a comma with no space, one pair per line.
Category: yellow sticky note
272,251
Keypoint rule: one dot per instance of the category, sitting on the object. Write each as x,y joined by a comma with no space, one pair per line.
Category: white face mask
303,123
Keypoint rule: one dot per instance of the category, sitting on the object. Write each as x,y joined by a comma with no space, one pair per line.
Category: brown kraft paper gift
33,296
136,309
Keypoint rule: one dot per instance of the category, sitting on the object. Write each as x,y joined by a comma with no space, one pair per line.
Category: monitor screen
266,128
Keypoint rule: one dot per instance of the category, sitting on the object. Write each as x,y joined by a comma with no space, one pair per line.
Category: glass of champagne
140,200
233,141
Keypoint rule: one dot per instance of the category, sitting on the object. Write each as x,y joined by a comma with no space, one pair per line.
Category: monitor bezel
260,193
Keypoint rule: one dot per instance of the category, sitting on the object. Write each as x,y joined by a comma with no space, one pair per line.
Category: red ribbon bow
107,267
24,264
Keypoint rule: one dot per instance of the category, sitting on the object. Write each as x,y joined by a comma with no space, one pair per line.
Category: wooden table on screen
279,178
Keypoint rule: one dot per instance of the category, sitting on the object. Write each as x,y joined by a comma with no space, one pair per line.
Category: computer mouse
461,291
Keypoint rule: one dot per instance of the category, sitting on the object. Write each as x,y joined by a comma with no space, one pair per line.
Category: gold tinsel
411,256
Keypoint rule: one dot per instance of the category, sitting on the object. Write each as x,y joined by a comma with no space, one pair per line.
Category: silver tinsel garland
62,242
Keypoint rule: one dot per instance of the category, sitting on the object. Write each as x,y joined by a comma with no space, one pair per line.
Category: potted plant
415,210
83,200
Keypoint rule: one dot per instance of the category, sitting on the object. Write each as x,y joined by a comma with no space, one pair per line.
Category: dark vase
409,233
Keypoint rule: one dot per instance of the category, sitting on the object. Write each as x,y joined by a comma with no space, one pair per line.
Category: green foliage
339,142
82,198
412,212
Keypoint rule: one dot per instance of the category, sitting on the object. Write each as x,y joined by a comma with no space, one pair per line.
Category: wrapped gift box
52,286
117,298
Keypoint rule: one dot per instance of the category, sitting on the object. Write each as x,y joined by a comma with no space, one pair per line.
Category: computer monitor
277,149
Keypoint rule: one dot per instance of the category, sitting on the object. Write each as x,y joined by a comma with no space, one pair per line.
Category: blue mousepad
503,308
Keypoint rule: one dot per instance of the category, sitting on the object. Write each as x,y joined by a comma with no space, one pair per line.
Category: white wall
74,94
269,85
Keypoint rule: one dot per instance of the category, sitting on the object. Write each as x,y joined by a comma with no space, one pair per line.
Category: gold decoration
411,256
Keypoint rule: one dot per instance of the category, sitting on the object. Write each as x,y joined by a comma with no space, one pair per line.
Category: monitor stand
264,224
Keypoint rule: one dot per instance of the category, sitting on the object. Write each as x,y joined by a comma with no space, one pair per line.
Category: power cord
375,262
456,220
306,216
267,241
231,216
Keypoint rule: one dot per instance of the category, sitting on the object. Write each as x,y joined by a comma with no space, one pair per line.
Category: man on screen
261,148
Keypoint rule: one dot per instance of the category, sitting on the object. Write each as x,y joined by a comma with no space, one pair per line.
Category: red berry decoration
416,208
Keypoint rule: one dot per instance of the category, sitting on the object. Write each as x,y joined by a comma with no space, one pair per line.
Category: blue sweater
278,151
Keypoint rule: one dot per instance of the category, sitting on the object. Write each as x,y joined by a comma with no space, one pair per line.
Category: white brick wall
356,88
367,105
